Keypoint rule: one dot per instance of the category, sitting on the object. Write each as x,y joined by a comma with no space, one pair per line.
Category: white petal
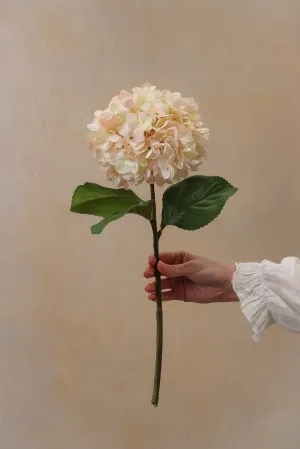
179,163
165,173
129,103
127,177
163,162
94,126
148,173
114,107
114,138
131,118
142,116
194,162
125,130
138,134
105,145
138,147
146,106
135,167
122,167
115,180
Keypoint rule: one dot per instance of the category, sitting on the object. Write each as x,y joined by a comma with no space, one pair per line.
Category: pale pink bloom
148,134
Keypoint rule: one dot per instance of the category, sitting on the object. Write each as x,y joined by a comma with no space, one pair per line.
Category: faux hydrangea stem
159,310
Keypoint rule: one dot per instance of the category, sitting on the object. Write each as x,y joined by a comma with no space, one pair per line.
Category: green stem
159,311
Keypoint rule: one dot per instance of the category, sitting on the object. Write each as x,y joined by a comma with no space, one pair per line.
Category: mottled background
77,335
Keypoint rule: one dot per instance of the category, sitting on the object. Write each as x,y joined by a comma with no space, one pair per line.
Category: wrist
229,293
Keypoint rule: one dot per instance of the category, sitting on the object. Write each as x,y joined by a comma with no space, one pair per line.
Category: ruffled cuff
253,294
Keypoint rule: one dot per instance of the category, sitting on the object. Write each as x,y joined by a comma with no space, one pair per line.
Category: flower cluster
148,134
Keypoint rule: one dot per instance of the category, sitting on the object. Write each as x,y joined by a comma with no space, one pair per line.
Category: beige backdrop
76,332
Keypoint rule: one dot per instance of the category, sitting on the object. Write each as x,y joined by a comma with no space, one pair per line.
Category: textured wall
76,332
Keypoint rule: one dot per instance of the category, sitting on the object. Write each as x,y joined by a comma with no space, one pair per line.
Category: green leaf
92,199
98,228
144,210
195,202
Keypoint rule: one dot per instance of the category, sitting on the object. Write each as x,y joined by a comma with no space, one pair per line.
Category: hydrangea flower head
148,134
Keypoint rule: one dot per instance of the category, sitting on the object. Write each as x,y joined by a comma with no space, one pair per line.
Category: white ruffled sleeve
269,293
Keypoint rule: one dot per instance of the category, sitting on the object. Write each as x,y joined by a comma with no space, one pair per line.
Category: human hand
191,278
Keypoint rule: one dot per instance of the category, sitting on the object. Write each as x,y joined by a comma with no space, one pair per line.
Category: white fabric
269,293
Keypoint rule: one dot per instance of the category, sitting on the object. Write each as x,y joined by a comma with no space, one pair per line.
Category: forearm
269,293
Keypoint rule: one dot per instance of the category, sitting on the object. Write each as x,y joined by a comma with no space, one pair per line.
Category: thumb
174,271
